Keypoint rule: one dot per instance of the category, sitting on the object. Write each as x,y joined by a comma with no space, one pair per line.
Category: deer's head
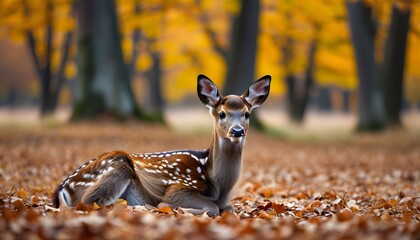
231,113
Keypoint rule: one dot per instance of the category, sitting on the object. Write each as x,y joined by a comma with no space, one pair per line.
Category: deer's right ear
207,91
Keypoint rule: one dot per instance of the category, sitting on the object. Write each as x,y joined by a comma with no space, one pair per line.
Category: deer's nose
237,131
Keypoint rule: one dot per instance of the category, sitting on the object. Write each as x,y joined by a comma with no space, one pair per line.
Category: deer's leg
228,208
194,202
132,195
113,185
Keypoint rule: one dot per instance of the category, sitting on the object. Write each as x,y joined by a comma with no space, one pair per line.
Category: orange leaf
262,215
385,216
21,193
96,206
301,195
82,207
18,205
279,208
32,215
35,200
266,192
345,215
166,209
121,201
315,204
299,214
392,202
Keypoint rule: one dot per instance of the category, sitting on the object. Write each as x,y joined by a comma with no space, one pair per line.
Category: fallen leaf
22,193
279,208
345,214
166,209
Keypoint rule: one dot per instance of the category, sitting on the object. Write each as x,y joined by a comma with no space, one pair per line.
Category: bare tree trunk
103,77
242,53
243,45
50,84
371,108
298,90
154,77
60,78
394,63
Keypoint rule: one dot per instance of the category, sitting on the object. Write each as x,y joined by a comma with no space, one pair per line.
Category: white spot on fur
199,169
193,156
149,170
203,161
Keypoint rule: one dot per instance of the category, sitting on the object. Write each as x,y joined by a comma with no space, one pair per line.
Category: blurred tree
242,48
299,88
379,107
143,37
104,85
51,81
239,55
393,65
362,27
242,51
298,43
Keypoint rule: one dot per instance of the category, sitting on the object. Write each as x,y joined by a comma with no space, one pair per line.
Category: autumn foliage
188,36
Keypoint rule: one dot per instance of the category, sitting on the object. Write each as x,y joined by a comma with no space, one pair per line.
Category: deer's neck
224,163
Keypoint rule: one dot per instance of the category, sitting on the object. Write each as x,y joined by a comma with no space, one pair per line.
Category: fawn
198,180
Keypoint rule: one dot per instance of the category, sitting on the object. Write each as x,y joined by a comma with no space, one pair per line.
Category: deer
199,181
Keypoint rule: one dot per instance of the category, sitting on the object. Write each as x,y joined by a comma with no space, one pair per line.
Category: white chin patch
236,139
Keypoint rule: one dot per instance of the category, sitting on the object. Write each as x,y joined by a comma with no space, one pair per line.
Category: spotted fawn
197,180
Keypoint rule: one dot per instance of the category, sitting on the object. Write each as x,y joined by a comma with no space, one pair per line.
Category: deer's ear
258,92
207,91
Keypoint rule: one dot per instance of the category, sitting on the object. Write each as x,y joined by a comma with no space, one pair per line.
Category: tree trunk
103,77
242,53
345,96
371,110
324,99
243,45
50,84
59,77
299,90
47,76
393,65
154,77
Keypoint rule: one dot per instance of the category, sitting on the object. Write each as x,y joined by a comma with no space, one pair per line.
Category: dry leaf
166,209
345,215
279,208
22,193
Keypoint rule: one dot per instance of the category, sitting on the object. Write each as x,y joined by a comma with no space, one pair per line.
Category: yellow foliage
71,70
144,62
174,30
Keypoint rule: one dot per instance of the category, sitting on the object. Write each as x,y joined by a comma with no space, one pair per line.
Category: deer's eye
222,115
247,115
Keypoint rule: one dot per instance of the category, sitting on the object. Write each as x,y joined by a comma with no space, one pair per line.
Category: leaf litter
368,186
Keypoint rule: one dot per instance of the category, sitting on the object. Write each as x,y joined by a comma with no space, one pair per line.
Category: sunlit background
166,44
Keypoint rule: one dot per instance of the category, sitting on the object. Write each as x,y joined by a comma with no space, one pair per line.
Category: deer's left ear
258,92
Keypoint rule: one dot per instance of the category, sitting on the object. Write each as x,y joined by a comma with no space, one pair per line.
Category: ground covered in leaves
363,186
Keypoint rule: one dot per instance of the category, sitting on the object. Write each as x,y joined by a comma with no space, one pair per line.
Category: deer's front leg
194,202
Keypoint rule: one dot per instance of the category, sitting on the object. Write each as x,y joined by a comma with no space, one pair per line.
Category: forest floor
360,186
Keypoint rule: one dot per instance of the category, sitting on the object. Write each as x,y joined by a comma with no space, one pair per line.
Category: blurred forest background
138,58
